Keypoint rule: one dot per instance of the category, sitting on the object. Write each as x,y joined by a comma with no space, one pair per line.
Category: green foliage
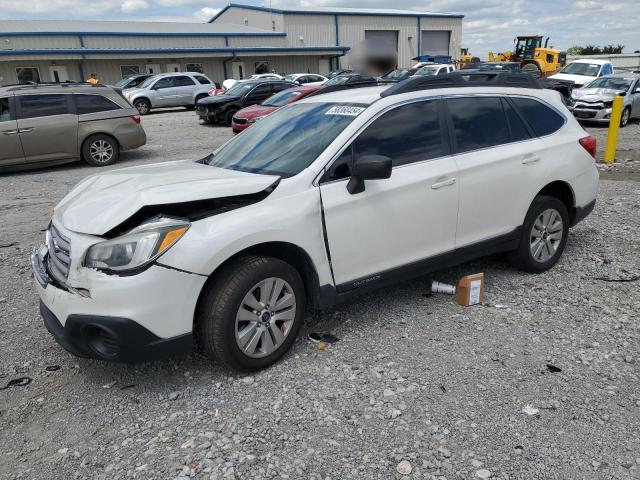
595,50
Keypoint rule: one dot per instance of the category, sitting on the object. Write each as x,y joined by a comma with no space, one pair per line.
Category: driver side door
397,222
164,92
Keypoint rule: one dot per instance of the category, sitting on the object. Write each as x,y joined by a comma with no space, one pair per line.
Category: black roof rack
21,86
460,78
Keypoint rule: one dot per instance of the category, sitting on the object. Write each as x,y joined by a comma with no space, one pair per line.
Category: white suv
328,197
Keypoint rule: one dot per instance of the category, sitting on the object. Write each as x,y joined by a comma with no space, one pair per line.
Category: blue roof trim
143,34
129,51
364,13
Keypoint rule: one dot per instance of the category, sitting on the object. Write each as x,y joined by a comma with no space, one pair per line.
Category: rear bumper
111,338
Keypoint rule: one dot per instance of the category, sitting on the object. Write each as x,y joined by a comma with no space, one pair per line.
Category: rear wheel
100,150
251,314
544,235
142,105
626,115
532,69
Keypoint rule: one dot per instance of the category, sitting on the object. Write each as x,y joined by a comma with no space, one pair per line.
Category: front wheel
100,150
544,235
251,313
142,105
228,117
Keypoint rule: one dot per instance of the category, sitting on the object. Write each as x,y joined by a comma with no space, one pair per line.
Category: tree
595,50
574,50
610,49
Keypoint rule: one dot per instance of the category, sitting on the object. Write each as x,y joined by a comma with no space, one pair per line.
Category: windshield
291,78
282,98
427,71
586,69
621,84
400,73
147,82
287,141
123,82
339,80
240,88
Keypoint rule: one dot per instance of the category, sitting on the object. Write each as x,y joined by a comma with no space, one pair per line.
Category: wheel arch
142,97
98,132
563,192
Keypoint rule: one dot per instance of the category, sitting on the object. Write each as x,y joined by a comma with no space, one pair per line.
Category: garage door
385,40
435,42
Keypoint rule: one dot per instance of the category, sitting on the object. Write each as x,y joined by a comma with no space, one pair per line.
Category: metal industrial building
232,45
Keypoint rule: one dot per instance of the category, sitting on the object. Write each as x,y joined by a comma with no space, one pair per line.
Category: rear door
500,166
10,147
48,126
185,88
259,94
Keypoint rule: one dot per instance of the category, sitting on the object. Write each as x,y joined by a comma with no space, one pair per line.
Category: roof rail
23,86
460,78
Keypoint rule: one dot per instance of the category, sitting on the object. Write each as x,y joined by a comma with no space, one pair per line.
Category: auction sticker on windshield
345,110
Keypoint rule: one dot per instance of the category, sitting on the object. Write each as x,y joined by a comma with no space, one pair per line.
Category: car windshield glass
400,73
147,82
240,88
427,71
280,99
287,141
339,80
586,69
291,78
122,82
621,84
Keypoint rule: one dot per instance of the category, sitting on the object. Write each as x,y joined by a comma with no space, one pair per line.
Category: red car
246,117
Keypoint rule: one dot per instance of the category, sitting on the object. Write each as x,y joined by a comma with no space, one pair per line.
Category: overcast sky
488,24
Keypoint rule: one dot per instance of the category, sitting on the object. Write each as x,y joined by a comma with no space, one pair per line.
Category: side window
93,103
518,129
184,81
407,134
542,119
264,89
341,168
478,122
5,114
165,82
278,87
202,80
43,105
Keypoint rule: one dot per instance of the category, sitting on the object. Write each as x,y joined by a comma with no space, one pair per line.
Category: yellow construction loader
466,57
533,58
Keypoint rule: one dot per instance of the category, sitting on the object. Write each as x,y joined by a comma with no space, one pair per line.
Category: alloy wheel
625,117
546,235
101,151
265,317
142,108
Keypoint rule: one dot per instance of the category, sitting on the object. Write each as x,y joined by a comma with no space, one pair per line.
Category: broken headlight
137,247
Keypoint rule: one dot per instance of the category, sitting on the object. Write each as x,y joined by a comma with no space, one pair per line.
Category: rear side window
542,119
5,114
202,80
43,105
93,104
478,122
518,129
184,82
407,134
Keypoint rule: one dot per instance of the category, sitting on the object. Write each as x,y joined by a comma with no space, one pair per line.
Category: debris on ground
17,382
529,410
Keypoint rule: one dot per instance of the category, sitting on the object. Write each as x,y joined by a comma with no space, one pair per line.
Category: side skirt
330,295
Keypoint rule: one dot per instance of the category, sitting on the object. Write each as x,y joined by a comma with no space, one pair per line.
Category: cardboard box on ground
469,290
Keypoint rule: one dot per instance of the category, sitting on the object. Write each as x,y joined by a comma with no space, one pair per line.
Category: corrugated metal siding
316,30
257,42
454,25
108,71
282,64
155,42
9,76
255,19
48,41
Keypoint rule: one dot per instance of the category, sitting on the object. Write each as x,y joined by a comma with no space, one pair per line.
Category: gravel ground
542,382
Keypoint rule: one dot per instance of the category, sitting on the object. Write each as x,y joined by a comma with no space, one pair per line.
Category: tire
100,150
532,69
142,105
234,327
532,255
228,117
626,115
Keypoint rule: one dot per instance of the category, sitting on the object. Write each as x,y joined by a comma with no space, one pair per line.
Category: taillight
135,118
589,144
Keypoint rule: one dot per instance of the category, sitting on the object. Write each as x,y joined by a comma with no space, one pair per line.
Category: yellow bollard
614,126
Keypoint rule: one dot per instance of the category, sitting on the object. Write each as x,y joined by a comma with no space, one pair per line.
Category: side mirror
368,167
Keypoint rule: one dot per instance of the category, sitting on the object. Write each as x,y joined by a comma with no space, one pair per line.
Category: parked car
230,82
131,82
582,71
222,108
182,89
432,70
491,66
327,198
49,124
398,74
335,73
217,89
306,78
593,102
250,115
346,81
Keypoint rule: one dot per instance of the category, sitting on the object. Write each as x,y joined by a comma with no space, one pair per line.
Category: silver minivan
175,89
48,124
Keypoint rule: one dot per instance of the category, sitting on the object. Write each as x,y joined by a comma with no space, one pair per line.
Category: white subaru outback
324,199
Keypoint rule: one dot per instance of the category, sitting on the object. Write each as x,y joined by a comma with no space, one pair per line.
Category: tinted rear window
93,104
478,122
5,114
43,105
519,131
542,119
202,80
184,82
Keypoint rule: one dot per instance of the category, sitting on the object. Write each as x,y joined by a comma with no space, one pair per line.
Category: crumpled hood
102,202
595,94
218,99
577,79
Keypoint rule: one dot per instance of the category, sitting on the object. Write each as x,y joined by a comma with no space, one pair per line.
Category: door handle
530,159
26,130
11,132
444,183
